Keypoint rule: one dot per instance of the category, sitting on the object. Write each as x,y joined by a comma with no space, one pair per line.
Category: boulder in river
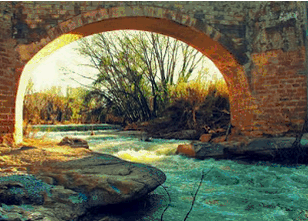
67,190
278,150
74,142
103,179
270,149
201,150
205,137
186,149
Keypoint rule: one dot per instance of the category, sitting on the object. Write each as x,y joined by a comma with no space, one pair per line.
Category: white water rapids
230,191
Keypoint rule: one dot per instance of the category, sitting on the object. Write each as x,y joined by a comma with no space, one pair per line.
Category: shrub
199,104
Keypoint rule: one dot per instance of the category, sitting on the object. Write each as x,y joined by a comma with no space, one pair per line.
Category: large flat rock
102,179
67,190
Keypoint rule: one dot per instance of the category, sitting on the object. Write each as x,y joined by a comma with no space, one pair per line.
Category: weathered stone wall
259,47
278,72
8,79
33,20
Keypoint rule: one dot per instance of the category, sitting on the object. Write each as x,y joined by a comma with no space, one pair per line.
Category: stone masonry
259,47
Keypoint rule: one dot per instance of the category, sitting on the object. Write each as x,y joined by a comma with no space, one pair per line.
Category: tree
75,103
30,87
136,70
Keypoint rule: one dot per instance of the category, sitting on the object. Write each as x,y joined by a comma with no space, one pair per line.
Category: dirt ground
15,160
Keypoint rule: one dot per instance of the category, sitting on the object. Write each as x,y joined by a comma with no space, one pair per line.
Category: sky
48,73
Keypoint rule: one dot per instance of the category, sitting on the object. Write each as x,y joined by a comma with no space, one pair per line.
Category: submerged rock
145,138
59,212
74,142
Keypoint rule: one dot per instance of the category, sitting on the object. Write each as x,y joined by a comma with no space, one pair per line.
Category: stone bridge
259,47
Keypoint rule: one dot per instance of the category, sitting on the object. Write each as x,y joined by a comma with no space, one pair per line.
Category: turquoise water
232,191
229,190
75,127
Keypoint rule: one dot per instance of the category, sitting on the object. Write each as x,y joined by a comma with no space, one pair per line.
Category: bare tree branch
142,65
194,198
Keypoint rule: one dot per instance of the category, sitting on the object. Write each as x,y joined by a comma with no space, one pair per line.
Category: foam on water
230,191
141,156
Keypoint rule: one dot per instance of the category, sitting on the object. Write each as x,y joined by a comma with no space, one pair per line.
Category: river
229,190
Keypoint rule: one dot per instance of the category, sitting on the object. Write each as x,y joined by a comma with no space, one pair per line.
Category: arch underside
232,71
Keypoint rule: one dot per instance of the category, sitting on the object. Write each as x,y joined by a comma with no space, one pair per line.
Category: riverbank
36,152
55,171
183,175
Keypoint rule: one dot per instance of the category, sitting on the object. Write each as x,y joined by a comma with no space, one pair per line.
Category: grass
198,90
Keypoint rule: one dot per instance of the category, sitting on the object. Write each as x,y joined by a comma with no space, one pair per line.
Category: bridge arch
199,35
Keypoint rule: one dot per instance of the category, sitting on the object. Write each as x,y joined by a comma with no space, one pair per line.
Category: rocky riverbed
66,180
65,189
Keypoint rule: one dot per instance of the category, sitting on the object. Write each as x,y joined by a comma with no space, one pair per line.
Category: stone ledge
278,150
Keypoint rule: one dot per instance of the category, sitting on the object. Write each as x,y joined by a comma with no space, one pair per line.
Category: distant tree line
52,107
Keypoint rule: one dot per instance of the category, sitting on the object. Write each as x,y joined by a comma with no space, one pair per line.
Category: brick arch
180,26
